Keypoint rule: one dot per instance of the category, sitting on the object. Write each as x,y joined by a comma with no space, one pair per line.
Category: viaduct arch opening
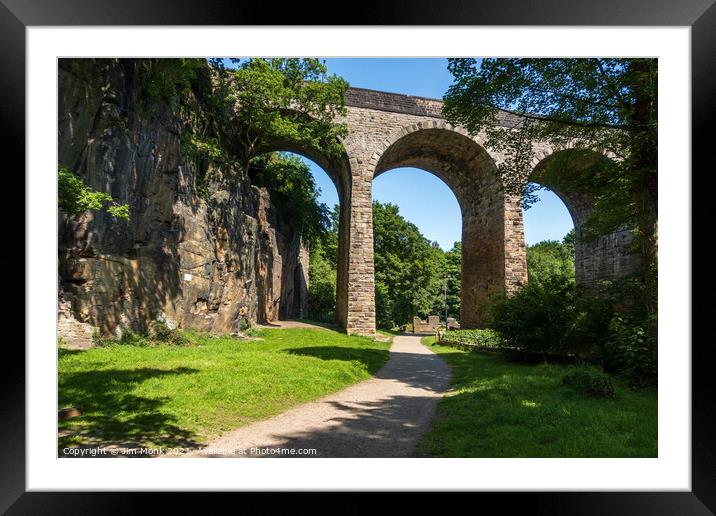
606,257
470,173
427,281
339,171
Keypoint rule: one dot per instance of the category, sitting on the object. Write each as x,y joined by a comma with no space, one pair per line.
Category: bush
484,338
538,318
631,350
590,381
605,324
245,324
100,340
160,331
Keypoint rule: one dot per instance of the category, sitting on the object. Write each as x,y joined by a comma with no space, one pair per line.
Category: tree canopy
601,106
551,258
284,100
293,192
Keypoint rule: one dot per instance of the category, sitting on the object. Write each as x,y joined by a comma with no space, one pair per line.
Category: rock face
190,261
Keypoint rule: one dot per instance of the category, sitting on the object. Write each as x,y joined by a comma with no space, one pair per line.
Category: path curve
381,417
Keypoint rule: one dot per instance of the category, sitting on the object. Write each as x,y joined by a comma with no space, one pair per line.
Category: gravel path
381,417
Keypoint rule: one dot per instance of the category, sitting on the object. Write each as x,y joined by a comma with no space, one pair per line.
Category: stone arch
339,170
469,170
609,256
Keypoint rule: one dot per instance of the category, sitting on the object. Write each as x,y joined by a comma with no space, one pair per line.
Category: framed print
232,267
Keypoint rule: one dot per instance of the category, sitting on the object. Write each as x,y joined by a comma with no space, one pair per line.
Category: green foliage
539,317
453,265
293,192
232,116
589,381
550,258
322,283
605,324
569,241
323,272
408,269
482,338
287,100
161,332
76,198
245,325
170,80
119,211
631,350
605,106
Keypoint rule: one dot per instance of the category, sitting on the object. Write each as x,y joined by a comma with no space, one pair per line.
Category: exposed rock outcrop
193,262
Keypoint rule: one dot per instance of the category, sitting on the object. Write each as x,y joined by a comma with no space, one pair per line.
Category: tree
286,100
604,106
293,192
408,268
569,241
321,285
322,272
235,115
453,264
550,258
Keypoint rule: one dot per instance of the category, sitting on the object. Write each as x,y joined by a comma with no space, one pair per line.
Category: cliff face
190,261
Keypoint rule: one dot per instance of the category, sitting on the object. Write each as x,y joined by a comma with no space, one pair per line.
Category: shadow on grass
503,408
113,415
67,352
372,359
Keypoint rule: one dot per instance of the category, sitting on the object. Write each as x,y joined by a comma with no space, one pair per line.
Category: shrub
590,381
483,338
75,197
631,350
100,340
160,331
538,318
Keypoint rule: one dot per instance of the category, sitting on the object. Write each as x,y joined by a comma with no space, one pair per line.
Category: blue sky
423,198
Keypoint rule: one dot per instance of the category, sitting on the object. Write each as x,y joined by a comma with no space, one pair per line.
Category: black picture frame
700,15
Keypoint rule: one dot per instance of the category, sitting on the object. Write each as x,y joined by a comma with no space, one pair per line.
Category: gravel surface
381,417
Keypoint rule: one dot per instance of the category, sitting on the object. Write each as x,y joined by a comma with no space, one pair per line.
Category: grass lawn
506,409
168,395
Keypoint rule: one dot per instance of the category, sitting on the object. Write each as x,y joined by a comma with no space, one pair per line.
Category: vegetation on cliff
236,118
76,198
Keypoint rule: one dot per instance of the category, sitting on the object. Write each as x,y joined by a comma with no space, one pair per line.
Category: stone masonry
387,131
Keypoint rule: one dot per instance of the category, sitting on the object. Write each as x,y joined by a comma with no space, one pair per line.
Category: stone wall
429,326
190,261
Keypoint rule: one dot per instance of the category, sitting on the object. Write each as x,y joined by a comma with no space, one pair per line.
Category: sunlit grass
500,408
168,395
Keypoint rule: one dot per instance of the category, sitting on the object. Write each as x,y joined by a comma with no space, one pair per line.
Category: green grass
168,395
506,409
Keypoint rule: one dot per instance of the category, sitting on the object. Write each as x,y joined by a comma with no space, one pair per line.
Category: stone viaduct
387,131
